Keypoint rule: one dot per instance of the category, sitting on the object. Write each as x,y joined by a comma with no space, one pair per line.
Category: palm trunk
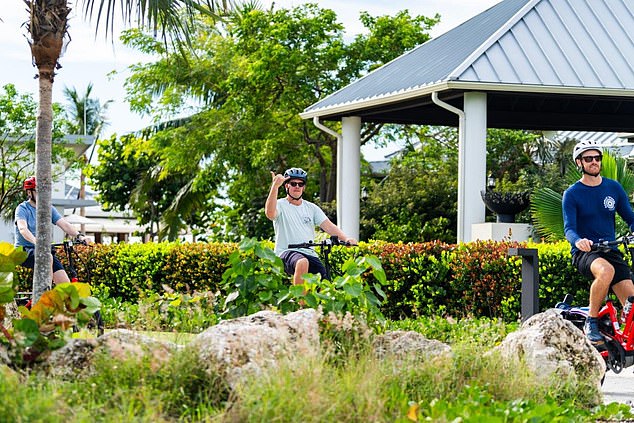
42,273
47,27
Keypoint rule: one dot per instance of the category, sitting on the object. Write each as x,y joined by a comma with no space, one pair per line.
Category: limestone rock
553,346
258,341
76,357
409,344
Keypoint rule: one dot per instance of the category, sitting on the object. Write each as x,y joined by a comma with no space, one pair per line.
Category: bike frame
325,248
622,334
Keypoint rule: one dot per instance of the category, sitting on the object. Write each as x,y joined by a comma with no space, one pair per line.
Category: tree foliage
17,146
241,91
47,28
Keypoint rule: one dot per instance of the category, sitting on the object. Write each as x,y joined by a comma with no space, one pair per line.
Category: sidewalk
619,387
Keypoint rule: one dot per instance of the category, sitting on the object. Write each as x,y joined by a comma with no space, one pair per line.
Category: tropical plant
44,326
256,280
47,28
546,204
18,115
86,113
250,79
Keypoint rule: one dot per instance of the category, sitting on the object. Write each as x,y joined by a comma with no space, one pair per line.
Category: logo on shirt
609,203
307,219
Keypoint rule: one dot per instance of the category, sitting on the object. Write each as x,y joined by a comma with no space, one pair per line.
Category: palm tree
47,30
87,114
88,118
546,204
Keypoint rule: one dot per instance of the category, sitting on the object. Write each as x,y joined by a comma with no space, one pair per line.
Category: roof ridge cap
530,4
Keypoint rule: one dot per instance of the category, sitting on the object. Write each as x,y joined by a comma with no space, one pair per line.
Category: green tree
17,146
126,179
417,200
86,115
47,28
249,79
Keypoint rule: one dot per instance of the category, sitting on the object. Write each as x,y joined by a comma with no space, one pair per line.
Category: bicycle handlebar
333,240
605,245
70,243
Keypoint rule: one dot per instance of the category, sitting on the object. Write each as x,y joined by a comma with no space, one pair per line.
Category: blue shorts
315,266
30,260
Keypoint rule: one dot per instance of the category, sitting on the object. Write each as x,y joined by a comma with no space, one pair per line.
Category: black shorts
30,260
290,258
582,261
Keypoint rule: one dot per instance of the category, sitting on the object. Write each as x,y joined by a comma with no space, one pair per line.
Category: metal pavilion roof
545,64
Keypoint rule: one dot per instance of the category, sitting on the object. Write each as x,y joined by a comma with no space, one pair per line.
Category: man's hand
81,239
584,244
352,241
278,180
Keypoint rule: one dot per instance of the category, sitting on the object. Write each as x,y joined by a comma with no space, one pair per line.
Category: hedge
434,278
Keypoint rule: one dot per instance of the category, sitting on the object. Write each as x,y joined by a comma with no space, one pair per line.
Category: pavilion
522,64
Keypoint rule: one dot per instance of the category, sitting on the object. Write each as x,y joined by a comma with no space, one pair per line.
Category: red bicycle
618,349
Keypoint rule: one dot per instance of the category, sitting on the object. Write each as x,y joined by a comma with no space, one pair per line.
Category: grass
356,387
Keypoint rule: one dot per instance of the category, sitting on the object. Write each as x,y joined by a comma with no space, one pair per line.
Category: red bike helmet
29,183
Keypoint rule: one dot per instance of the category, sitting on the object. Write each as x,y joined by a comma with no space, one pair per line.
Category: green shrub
422,279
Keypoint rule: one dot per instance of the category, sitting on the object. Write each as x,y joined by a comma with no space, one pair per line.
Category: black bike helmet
295,173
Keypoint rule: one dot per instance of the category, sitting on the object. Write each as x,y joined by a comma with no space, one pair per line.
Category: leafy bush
255,279
422,279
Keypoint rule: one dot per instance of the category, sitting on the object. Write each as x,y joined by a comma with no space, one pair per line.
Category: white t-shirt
296,224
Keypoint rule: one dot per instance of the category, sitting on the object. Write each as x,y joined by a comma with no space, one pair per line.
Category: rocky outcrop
549,345
252,343
76,357
553,347
409,345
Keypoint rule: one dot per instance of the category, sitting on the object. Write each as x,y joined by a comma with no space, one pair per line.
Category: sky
90,58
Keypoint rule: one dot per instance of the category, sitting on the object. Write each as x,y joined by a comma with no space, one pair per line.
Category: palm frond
547,214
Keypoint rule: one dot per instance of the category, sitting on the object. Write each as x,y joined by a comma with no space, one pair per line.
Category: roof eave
413,93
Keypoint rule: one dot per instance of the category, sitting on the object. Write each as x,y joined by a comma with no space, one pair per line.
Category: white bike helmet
295,173
585,146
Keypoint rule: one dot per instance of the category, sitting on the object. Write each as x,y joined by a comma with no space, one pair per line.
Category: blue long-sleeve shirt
589,211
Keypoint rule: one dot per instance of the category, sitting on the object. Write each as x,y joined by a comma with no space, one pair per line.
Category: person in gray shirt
294,221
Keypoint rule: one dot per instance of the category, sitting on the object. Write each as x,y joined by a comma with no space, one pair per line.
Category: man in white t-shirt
294,220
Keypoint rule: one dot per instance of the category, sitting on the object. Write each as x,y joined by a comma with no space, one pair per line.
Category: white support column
472,169
350,176
340,184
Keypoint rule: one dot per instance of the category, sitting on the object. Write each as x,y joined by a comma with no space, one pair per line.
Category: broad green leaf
353,289
29,329
296,290
379,291
311,300
265,253
6,294
265,295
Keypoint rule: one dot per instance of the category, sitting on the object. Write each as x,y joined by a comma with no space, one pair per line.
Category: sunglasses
297,184
588,159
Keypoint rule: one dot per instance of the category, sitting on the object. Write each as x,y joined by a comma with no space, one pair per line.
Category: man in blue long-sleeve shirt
589,208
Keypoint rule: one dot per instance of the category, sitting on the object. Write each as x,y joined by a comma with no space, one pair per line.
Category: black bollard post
530,280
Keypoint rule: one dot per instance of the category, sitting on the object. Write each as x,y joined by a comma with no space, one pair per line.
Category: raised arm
270,207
